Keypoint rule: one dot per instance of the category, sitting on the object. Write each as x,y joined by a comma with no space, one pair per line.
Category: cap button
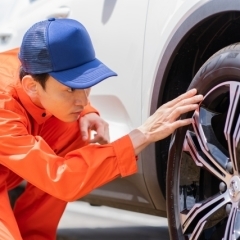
51,19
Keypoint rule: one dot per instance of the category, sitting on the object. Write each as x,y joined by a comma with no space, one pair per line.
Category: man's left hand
93,122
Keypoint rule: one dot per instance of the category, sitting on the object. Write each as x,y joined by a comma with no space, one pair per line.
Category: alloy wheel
209,179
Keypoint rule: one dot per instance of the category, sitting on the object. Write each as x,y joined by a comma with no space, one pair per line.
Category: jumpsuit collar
39,114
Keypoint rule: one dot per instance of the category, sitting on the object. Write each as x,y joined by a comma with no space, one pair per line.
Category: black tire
203,184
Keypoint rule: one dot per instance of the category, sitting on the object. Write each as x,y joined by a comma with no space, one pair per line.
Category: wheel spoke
200,212
236,229
232,115
236,143
207,139
192,145
198,230
232,231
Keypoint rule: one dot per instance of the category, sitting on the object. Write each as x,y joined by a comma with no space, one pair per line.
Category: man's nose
81,97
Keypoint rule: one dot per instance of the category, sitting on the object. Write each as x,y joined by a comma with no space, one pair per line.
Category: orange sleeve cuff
126,157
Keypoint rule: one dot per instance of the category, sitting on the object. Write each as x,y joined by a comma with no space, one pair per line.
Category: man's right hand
165,120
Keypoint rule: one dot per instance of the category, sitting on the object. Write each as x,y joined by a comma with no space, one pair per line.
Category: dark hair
40,78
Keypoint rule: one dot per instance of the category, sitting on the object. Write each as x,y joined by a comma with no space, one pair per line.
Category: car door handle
5,36
61,12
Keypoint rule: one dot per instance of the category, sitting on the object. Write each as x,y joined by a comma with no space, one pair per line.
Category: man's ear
29,85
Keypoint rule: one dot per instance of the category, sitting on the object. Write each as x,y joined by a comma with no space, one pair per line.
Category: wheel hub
234,188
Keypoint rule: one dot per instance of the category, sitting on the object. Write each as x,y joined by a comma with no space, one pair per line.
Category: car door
117,31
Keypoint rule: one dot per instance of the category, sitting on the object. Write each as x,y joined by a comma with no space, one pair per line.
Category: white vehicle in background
8,10
160,49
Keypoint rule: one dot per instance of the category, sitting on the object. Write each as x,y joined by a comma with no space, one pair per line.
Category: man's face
61,101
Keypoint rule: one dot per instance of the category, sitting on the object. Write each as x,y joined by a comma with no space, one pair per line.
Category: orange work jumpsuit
51,156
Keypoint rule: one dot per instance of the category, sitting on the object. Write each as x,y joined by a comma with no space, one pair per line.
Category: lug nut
222,187
230,167
228,208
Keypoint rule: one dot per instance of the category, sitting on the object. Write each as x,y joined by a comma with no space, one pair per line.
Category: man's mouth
77,112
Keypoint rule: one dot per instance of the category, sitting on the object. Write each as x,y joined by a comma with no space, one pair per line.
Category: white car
160,49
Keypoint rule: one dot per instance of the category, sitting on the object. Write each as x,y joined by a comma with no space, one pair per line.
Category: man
44,120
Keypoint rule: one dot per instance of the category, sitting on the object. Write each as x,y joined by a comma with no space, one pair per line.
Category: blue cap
63,49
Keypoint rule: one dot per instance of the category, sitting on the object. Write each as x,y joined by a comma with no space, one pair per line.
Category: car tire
203,183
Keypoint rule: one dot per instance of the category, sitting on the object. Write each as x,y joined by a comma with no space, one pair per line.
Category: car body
156,47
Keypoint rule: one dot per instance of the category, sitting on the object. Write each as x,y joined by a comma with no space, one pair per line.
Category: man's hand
165,120
92,121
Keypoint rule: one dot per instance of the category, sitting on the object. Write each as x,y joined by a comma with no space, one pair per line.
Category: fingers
170,128
183,104
181,110
102,136
185,98
99,139
192,100
84,129
181,123
92,121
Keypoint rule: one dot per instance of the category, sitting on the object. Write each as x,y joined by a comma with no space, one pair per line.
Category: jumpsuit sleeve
69,177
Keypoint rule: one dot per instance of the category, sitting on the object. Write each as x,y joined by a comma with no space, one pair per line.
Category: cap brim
85,76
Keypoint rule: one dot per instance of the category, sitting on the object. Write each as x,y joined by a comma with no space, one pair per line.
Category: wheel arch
185,45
